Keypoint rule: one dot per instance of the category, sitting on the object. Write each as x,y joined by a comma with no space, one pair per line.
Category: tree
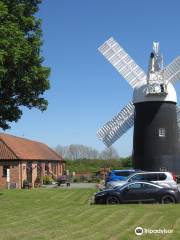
126,162
109,154
23,79
76,151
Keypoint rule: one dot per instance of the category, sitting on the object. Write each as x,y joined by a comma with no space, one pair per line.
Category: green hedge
94,165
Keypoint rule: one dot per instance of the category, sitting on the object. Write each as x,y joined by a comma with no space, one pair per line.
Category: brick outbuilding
26,160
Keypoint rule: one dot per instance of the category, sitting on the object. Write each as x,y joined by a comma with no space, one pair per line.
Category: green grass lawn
45,214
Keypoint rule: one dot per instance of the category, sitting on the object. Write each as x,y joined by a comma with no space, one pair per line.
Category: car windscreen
119,187
137,177
151,177
123,174
148,177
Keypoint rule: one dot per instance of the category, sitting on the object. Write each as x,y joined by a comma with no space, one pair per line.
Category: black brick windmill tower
152,111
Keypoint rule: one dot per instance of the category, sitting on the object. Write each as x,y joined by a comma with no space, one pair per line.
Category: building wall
34,172
60,168
15,178
42,165
23,172
18,171
55,168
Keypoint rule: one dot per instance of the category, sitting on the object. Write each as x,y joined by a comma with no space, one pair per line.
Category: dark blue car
118,175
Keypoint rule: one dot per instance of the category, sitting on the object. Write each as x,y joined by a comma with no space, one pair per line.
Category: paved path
73,185
83,185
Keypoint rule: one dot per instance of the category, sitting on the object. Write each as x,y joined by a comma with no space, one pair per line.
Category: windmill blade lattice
172,71
115,128
122,62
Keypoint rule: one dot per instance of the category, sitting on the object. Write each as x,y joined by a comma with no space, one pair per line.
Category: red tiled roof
12,147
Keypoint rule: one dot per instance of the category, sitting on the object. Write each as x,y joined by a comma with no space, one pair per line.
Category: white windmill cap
156,47
139,95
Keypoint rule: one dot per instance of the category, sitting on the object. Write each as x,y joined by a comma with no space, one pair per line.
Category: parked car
165,179
118,175
138,191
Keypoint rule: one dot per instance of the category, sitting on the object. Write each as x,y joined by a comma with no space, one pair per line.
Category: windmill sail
171,73
115,128
122,62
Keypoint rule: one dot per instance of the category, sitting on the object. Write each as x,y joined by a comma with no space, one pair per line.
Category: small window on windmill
162,132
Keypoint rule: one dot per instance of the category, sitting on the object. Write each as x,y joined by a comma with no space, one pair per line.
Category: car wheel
166,199
112,200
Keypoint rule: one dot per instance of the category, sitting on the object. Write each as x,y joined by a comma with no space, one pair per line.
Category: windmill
152,111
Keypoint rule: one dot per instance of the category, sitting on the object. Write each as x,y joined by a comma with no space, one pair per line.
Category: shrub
47,180
83,178
75,180
39,179
126,163
25,183
96,179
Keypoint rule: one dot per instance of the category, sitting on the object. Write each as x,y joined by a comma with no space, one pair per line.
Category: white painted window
162,132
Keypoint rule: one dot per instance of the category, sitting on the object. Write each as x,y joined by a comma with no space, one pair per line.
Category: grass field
45,214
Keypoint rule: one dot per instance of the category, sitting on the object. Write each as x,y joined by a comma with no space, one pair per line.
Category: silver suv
165,179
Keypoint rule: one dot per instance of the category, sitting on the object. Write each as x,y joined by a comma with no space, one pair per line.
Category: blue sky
86,91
